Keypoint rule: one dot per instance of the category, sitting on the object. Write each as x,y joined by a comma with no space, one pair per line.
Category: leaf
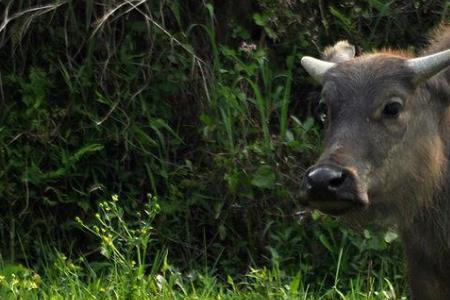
222,232
378,5
293,286
390,236
264,177
346,22
325,242
206,120
263,21
70,160
308,124
260,19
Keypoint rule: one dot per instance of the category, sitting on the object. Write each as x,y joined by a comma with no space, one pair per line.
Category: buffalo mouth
337,207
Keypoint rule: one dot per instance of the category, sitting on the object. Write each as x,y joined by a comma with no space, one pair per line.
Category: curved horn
316,67
429,65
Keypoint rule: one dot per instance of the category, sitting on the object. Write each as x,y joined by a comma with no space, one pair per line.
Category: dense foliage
198,110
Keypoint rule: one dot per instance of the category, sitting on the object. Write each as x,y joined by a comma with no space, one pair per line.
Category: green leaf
222,232
308,124
390,236
345,22
264,177
85,150
260,19
294,285
325,242
378,5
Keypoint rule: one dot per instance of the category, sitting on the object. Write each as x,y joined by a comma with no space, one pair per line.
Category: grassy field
154,149
67,281
63,278
128,271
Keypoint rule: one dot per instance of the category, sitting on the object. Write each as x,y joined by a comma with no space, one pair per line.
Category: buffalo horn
316,67
427,66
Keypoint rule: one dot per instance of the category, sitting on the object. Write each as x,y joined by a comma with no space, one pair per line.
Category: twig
42,9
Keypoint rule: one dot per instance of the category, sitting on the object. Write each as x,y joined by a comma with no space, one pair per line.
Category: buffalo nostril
326,177
338,181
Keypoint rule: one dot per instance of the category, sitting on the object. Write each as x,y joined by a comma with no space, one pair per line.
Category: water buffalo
387,149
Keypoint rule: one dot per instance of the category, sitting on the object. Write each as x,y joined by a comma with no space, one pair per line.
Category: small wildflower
107,240
115,198
36,278
32,285
247,47
14,280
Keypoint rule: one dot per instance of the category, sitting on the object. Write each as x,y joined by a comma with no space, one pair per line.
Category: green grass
130,267
68,280
62,278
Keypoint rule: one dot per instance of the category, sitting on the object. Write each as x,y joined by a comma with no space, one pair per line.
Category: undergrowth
130,267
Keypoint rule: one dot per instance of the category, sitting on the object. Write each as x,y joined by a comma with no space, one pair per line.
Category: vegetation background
153,149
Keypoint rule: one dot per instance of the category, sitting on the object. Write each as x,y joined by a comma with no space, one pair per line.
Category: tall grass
130,268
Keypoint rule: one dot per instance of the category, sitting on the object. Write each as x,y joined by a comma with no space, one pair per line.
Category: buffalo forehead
368,77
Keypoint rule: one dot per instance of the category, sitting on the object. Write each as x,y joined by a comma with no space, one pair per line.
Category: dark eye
321,112
392,109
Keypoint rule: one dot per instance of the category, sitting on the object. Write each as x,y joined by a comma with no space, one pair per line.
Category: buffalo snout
332,189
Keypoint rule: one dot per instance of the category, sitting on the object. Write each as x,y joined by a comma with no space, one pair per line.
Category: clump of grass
127,271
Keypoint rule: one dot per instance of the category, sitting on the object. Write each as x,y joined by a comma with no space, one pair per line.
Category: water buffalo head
382,131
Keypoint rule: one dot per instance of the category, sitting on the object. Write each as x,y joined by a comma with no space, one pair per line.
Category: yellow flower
36,278
32,285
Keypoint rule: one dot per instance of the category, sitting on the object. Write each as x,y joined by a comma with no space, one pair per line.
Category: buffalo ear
340,52
427,66
332,55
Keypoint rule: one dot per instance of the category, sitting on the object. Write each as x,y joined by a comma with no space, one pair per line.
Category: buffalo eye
321,112
392,109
